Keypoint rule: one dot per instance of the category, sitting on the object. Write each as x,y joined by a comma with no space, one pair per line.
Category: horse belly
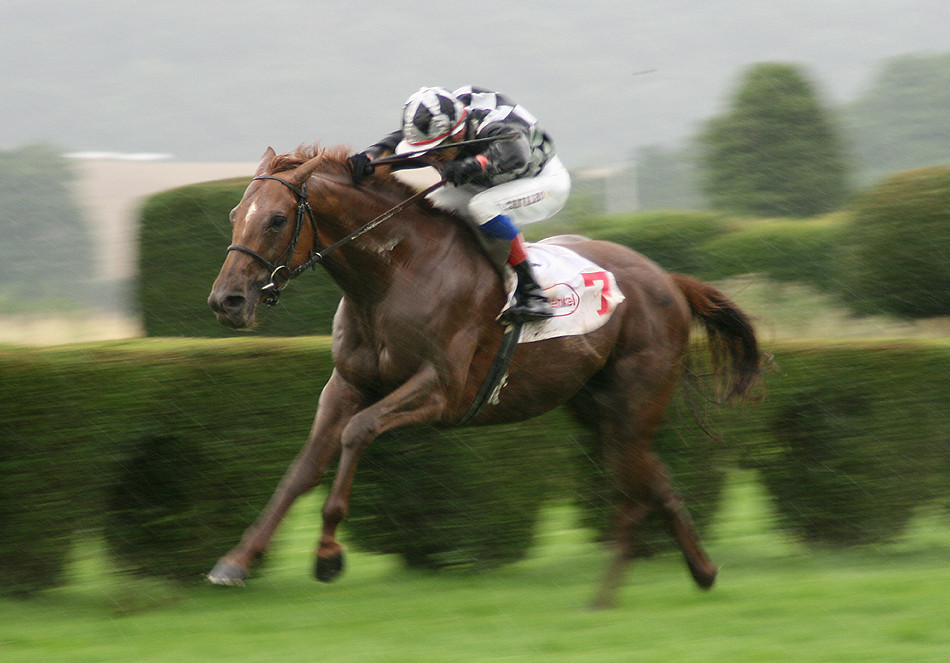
544,375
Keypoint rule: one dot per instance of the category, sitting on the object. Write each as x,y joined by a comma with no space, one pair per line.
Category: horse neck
364,267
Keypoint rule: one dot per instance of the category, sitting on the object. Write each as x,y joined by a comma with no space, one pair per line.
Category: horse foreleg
420,399
337,404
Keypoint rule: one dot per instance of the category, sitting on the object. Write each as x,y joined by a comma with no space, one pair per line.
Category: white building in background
112,187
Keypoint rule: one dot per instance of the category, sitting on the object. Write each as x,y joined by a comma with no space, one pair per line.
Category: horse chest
385,362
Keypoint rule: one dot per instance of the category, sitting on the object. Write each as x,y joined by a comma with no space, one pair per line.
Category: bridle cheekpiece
280,271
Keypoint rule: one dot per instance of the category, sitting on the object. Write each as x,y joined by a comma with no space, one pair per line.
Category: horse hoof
705,579
600,605
227,574
328,568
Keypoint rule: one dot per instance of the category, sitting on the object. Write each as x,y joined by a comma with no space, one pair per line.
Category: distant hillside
207,81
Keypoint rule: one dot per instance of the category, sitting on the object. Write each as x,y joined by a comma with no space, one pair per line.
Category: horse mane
333,162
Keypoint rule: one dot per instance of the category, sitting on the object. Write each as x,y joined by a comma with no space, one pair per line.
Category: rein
280,271
414,155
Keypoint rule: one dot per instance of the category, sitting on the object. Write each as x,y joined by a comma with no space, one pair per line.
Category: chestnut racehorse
416,333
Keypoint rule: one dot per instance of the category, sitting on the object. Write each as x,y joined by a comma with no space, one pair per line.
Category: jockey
500,185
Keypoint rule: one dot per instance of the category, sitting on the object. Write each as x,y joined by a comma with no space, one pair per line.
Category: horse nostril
224,304
232,302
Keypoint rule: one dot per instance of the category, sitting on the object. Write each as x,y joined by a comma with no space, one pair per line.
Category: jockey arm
504,156
386,145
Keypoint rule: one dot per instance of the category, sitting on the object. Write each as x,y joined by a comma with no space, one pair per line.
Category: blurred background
106,102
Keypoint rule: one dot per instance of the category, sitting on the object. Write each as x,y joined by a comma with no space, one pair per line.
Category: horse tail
732,340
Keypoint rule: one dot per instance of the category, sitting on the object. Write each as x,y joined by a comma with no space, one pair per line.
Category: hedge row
887,253
176,275
172,447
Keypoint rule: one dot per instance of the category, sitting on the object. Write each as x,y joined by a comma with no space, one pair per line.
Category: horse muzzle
232,309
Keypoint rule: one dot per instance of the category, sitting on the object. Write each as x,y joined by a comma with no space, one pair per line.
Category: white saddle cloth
582,294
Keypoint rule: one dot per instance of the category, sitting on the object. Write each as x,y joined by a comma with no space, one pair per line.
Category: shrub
35,511
786,250
897,246
461,497
776,151
852,441
831,476
173,507
173,447
50,446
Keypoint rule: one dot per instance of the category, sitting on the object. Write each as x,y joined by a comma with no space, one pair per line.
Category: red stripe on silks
443,135
518,253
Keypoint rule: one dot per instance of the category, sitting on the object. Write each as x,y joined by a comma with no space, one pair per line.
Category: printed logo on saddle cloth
582,294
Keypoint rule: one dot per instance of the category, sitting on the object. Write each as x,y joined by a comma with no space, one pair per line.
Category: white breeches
524,201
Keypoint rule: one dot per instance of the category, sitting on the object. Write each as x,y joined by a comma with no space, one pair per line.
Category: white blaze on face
250,213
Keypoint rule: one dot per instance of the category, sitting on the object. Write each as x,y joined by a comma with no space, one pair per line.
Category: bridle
280,271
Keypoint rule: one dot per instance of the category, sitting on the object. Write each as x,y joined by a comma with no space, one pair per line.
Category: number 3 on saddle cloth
582,294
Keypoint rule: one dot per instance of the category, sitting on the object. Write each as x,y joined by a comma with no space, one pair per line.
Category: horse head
273,234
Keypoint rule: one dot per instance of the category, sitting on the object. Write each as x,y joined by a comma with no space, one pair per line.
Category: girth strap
493,383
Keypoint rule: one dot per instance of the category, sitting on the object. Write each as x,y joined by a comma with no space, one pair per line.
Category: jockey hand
361,167
461,171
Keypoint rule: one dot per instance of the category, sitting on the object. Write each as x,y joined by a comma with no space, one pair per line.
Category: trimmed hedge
458,497
886,254
855,437
896,248
802,250
176,275
674,239
173,447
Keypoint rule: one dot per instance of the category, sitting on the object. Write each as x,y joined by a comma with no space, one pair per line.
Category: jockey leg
500,210
530,302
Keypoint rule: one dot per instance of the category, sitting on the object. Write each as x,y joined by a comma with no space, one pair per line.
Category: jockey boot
530,302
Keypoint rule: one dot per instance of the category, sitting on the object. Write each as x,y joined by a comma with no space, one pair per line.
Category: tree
775,152
902,120
896,247
46,253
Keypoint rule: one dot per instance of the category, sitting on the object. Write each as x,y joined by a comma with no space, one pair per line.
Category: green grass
774,602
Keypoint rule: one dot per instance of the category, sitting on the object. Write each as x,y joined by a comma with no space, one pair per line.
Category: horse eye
278,221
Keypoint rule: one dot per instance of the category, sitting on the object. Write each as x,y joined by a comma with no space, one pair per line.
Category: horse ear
305,170
264,164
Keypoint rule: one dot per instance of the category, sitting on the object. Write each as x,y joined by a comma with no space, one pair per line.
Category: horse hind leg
643,483
647,487
680,525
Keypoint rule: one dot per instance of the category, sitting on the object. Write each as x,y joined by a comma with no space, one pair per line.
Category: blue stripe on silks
500,227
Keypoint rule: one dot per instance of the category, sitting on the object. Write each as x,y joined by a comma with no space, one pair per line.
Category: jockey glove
461,171
361,167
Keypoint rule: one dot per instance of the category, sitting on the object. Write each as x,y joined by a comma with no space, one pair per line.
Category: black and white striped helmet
429,117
